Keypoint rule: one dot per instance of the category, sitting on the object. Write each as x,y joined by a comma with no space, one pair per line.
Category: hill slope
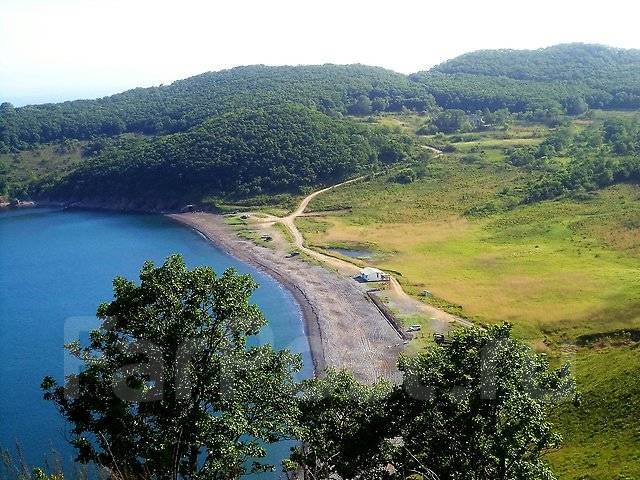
564,272
240,153
186,103
570,76
568,62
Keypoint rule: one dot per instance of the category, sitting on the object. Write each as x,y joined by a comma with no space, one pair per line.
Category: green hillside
569,77
356,89
565,271
243,153
568,62
601,437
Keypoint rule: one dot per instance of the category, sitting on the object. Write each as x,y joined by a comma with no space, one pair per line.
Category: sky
54,50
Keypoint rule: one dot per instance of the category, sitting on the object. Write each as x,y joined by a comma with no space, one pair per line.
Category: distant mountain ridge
566,62
558,77
186,103
568,77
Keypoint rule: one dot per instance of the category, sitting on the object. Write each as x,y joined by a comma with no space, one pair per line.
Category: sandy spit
344,328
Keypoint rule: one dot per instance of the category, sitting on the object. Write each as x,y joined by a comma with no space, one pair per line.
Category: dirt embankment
345,329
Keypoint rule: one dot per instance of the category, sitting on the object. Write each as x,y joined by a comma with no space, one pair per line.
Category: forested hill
570,77
568,62
246,152
355,89
200,137
565,78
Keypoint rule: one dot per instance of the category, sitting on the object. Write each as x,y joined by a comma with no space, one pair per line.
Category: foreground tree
476,407
473,408
169,388
344,428
38,474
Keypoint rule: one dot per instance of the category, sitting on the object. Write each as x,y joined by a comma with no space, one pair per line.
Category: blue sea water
55,268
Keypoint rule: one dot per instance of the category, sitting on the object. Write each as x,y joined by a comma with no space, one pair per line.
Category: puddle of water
347,252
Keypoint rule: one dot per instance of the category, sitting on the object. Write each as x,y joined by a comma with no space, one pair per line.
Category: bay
55,268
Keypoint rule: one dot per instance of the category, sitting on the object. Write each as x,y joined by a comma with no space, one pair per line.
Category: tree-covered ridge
567,77
356,89
571,77
476,92
240,153
568,62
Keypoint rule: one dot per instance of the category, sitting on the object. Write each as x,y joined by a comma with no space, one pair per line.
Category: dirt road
343,327
433,149
441,320
298,240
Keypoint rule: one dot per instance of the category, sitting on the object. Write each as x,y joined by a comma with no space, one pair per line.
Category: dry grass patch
539,274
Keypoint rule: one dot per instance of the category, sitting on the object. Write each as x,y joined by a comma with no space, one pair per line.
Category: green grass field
602,435
557,270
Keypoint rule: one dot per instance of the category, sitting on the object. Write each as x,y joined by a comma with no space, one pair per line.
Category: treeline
569,77
4,179
575,164
241,153
338,89
458,121
170,388
562,79
566,62
476,92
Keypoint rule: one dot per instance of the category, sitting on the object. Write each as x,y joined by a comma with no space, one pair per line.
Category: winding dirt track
433,149
441,320
298,240
344,328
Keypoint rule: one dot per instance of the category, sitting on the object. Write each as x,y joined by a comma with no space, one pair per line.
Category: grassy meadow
602,435
554,269
41,161
557,270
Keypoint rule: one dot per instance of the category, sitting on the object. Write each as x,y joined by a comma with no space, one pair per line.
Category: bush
406,175
472,158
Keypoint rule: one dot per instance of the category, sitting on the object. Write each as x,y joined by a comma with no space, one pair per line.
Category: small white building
370,274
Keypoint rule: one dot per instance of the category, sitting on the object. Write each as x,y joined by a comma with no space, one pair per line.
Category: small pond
352,253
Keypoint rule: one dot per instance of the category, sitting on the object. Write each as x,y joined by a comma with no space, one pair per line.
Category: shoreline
310,319
343,327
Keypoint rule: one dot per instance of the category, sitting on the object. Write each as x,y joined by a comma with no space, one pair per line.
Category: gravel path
345,329
441,321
